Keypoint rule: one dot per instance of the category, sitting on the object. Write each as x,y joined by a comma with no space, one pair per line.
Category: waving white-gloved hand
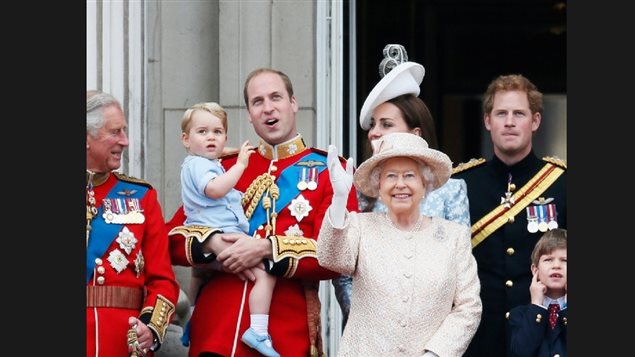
341,180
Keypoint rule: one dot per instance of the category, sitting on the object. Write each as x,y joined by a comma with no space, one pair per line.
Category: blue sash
102,234
287,182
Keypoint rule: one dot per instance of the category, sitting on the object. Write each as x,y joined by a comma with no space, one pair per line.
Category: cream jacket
412,291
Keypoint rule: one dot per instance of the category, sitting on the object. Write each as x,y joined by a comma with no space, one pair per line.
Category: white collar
560,301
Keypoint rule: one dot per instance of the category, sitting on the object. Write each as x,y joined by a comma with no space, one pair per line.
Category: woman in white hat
416,290
394,106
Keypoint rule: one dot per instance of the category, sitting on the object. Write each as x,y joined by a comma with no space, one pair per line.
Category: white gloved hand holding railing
341,181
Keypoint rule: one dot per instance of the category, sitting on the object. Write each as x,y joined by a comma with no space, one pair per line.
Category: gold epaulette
124,177
468,165
292,247
556,161
199,232
161,315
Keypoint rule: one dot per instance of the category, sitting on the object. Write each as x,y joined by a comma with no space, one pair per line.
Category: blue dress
448,201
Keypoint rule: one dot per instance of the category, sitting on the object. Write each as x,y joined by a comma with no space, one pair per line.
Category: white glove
341,181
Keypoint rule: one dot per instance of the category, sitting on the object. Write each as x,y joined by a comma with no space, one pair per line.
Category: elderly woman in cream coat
416,289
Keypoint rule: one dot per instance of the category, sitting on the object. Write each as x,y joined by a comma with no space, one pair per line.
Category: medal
312,185
122,211
300,207
139,263
117,260
508,200
126,240
542,218
302,185
532,219
551,216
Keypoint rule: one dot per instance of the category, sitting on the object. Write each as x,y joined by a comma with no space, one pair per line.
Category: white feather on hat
402,145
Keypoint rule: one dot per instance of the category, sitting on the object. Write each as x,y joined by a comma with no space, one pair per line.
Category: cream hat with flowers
402,145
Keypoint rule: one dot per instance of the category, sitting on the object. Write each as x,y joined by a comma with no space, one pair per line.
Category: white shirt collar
560,301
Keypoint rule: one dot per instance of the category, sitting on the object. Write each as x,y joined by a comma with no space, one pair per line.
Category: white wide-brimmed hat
402,145
403,79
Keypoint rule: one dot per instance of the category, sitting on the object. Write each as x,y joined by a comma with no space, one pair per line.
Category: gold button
510,251
509,283
98,261
101,280
564,319
510,219
274,168
507,315
101,269
538,318
512,187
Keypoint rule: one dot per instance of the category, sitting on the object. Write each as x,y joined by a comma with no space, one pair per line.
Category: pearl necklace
415,228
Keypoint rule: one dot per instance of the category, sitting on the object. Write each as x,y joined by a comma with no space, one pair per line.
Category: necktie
553,315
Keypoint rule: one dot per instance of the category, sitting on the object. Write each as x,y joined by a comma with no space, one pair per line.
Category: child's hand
245,151
537,290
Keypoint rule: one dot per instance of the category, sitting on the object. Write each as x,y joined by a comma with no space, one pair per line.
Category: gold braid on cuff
161,315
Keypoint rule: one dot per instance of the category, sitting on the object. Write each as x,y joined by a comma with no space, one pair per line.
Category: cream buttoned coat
412,291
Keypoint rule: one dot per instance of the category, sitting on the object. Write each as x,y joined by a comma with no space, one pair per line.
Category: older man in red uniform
287,191
131,290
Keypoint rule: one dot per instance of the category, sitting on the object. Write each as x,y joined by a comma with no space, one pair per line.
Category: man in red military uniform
287,191
131,290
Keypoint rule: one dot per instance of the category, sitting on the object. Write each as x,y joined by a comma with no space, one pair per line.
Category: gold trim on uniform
281,151
292,247
124,177
199,232
535,187
556,161
468,165
291,269
161,314
96,177
188,249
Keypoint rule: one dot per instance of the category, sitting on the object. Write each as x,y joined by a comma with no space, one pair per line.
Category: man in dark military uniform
514,198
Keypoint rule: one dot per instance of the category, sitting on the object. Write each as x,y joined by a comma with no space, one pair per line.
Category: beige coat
412,291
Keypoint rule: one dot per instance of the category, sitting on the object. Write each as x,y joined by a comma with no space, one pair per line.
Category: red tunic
145,248
213,324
